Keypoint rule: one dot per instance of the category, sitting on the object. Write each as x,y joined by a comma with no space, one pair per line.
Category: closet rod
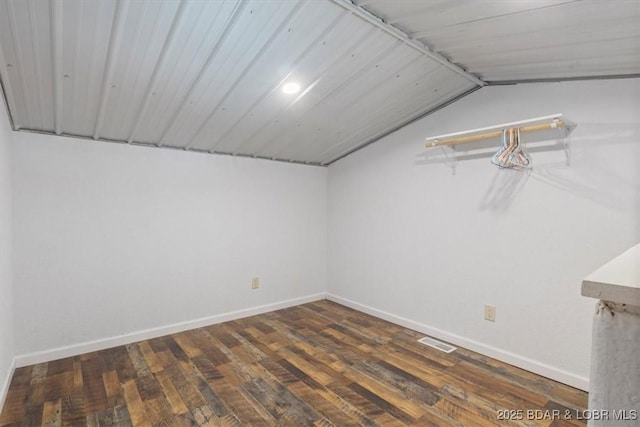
533,128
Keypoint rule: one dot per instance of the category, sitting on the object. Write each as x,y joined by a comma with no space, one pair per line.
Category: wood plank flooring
318,364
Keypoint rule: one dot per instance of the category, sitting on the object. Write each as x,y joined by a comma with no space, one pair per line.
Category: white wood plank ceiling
208,75
500,40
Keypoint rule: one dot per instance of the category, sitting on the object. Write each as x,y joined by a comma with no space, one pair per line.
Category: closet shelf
537,129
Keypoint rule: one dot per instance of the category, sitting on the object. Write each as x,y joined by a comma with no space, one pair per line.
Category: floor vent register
442,346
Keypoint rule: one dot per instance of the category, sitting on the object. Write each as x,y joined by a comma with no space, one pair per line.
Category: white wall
6,283
111,239
410,239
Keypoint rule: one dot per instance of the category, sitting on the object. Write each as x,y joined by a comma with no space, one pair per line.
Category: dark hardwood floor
317,364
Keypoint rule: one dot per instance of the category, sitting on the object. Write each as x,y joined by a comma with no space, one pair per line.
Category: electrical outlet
255,283
490,313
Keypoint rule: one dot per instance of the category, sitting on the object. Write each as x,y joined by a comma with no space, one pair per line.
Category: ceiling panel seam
228,27
5,99
244,72
294,65
402,96
322,74
112,51
156,70
75,66
33,33
329,153
133,70
345,119
19,61
398,19
413,111
349,80
517,12
55,16
7,95
406,123
410,41
562,79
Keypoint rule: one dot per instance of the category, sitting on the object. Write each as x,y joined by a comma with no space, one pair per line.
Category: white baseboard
7,382
102,344
534,366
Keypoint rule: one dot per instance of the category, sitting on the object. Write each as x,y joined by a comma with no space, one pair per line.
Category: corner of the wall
525,363
110,342
7,382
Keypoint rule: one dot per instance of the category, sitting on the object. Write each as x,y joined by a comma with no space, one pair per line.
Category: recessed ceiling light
290,88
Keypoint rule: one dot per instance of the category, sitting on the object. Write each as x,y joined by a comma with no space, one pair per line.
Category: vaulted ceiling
209,75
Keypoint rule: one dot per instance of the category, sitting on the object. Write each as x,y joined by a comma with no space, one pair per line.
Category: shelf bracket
564,133
452,161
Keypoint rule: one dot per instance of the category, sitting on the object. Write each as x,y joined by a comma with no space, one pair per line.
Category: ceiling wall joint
408,40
